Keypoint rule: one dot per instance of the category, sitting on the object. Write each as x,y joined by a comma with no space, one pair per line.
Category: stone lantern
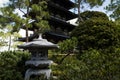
39,63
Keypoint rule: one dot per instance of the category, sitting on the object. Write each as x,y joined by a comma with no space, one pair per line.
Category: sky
2,2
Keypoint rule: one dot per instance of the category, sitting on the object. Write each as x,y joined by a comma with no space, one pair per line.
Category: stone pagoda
39,63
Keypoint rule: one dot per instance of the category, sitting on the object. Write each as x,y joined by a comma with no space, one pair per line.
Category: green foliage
40,15
92,3
10,18
95,2
82,3
3,21
92,65
114,7
101,65
66,48
35,15
96,33
12,65
2,41
68,45
7,37
93,14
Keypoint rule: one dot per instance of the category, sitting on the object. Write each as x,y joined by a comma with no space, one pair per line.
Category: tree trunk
27,39
79,1
64,58
9,46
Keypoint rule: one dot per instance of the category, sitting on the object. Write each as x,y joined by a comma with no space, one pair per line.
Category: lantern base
37,72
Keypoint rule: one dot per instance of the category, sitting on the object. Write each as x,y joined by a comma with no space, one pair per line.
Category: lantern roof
38,43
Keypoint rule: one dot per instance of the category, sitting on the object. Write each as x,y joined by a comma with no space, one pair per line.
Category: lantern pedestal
37,72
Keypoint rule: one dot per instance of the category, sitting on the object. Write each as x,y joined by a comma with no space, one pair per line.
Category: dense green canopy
96,31
93,14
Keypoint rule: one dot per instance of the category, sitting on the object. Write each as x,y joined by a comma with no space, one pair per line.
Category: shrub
12,65
92,65
96,33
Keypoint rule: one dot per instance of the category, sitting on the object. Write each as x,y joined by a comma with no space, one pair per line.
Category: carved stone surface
41,54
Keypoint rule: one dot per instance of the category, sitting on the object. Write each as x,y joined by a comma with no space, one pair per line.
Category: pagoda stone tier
58,21
39,63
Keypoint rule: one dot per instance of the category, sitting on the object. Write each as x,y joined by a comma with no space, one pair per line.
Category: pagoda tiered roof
60,11
54,21
59,15
52,36
63,24
65,3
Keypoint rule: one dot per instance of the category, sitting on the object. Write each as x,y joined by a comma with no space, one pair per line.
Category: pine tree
33,12
92,3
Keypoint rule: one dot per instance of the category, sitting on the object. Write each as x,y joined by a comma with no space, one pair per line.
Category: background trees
28,8
114,7
82,3
96,31
7,35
